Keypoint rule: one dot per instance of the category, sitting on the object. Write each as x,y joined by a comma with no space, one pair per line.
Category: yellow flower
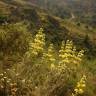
80,86
80,91
49,56
52,66
37,45
76,90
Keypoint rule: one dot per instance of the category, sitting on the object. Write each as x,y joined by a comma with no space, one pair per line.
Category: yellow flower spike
49,56
80,86
36,46
65,53
69,56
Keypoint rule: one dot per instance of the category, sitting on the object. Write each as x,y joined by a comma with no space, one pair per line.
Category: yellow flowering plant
37,45
80,87
49,57
69,58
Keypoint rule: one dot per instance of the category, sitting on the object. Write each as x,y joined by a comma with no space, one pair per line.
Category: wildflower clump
49,57
36,46
68,56
65,54
35,50
81,85
76,59
62,64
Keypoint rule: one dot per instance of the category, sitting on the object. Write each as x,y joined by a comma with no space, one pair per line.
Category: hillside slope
83,10
56,29
35,62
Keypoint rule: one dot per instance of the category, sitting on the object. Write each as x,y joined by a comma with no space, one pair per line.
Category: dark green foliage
78,24
87,42
89,45
3,19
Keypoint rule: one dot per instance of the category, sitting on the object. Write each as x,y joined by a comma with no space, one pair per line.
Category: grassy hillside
44,55
56,28
29,65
